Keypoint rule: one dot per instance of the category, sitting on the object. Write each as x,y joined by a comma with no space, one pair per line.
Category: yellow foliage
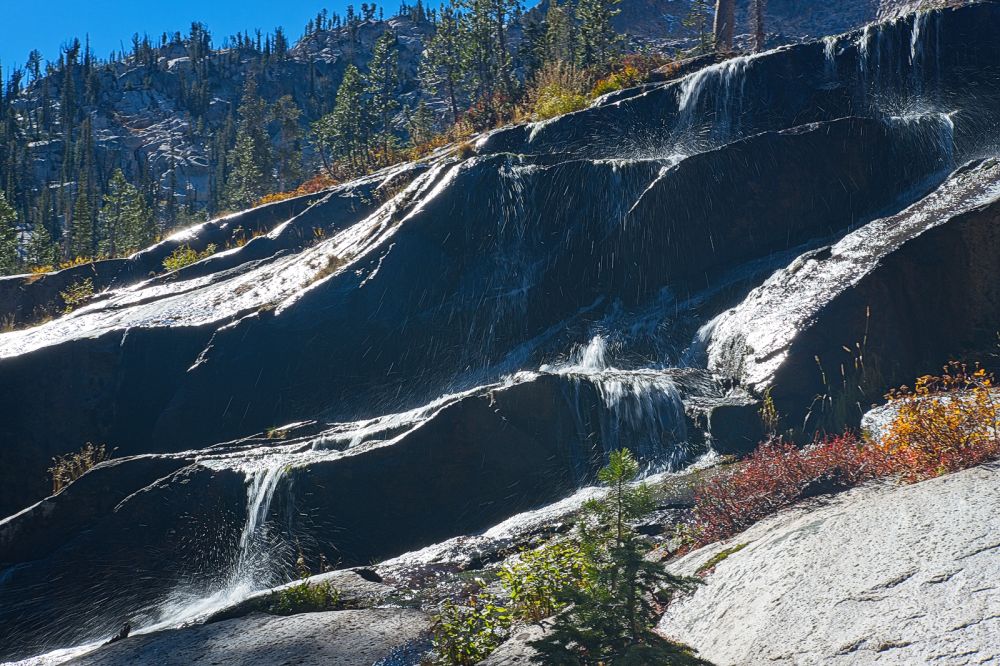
185,256
70,467
946,423
77,293
626,77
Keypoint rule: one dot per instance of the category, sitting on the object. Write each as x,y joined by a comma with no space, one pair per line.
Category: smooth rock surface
883,574
342,638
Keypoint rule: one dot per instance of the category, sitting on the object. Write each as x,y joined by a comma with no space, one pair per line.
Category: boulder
884,574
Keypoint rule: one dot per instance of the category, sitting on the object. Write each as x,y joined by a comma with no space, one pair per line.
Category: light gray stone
347,638
883,574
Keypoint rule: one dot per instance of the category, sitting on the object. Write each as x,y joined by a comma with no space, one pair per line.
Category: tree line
483,60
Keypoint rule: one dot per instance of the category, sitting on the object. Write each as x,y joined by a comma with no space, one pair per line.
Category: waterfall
724,83
830,56
256,565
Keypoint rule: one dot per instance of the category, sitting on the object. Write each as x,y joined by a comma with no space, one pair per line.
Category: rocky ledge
883,574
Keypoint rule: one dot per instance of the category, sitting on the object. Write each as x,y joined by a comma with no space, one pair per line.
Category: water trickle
723,84
830,55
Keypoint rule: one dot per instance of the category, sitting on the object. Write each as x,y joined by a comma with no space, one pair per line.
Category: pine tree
250,175
341,135
382,82
81,236
41,250
421,124
598,38
723,28
757,9
560,35
698,20
441,68
126,221
9,260
612,617
288,155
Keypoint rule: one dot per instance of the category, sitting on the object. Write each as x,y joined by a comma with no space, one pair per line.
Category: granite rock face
415,356
340,638
883,574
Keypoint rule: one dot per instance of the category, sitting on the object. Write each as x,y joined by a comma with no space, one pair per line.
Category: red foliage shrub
945,424
775,476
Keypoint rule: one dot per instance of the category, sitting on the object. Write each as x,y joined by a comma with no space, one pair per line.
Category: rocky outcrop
884,574
865,294
466,337
342,638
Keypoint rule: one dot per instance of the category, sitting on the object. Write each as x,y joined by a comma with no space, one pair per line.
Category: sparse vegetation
305,597
946,423
603,590
185,256
719,557
77,294
70,467
466,633
537,582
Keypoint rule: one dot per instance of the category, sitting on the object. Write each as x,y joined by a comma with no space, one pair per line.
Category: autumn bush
557,88
185,256
946,423
775,476
70,467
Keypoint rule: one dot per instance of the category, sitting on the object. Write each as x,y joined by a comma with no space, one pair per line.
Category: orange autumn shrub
944,424
315,184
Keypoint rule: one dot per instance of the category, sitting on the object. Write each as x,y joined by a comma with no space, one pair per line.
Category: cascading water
619,381
723,87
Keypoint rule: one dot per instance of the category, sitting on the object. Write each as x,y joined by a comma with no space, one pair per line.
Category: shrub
776,475
537,583
944,424
626,77
70,467
465,634
77,294
465,149
556,88
306,598
185,256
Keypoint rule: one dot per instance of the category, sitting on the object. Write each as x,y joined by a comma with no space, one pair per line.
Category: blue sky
46,25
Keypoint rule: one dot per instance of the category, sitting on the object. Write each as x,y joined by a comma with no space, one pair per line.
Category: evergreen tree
421,124
698,20
757,9
341,135
41,250
725,22
288,155
598,39
9,260
612,617
126,221
441,67
81,236
560,35
250,160
383,80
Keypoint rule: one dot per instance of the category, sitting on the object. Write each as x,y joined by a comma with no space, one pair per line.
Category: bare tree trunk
759,34
725,17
